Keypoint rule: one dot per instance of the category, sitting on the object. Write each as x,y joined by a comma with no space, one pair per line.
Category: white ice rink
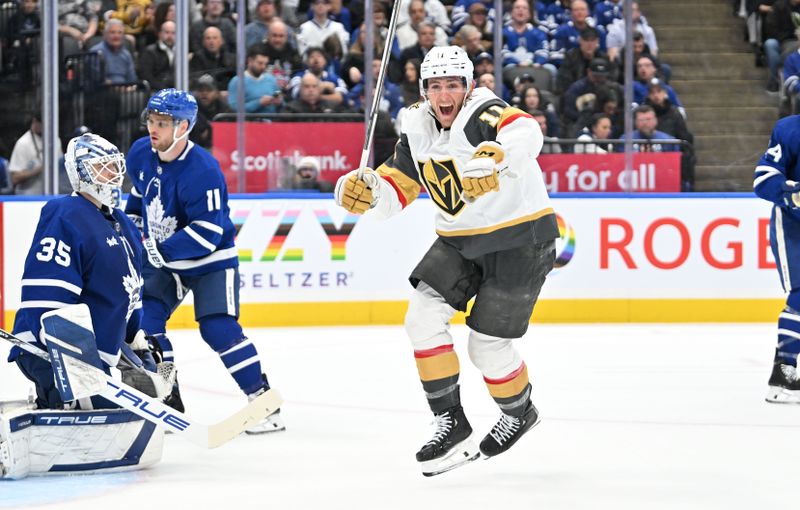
634,417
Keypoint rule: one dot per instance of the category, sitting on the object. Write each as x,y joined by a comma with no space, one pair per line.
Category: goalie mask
96,167
446,61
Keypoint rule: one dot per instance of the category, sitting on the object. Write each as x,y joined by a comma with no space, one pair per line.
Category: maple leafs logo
159,226
132,282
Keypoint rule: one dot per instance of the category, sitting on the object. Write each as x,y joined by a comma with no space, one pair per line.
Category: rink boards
654,258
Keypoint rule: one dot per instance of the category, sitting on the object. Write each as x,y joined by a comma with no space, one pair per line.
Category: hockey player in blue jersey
777,179
84,251
81,291
180,198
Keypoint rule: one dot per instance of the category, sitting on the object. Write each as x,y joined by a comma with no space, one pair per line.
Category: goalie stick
151,409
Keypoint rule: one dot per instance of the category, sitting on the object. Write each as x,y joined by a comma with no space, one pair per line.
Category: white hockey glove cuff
791,194
480,174
358,195
153,255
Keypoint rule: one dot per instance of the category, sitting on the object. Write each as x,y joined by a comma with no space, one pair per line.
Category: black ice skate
508,430
784,384
451,445
174,398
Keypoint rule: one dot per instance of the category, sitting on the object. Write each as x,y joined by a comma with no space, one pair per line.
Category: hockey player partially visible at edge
180,198
777,179
476,156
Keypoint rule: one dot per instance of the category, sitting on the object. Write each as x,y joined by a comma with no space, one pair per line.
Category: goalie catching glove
139,368
358,195
480,174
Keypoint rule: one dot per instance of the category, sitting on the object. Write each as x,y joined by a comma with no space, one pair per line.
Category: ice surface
634,416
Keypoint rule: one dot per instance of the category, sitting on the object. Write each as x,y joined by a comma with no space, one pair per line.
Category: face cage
96,171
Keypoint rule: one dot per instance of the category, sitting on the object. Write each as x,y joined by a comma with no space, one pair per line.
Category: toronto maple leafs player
180,198
495,244
86,254
777,179
84,250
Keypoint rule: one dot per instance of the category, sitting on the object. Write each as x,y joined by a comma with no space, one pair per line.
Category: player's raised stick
378,92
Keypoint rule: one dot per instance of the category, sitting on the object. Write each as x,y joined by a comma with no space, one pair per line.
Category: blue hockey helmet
178,104
96,167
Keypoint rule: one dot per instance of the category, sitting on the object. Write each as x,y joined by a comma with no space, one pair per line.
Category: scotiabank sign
272,150
652,171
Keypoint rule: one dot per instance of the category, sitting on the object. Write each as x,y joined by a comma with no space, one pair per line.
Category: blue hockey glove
791,194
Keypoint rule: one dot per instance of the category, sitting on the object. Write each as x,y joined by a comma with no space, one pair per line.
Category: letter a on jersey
443,184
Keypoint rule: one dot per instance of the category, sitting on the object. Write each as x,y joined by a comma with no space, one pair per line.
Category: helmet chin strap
175,140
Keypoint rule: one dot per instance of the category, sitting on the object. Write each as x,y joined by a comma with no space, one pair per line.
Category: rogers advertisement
274,148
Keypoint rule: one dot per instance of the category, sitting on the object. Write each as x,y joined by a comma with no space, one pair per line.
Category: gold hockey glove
480,174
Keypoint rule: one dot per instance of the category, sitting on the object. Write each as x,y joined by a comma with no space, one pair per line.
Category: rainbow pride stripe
565,244
337,236
278,240
238,218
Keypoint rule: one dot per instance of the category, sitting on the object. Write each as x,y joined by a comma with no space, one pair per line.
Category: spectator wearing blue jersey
791,83
525,45
180,198
391,100
566,35
646,71
606,11
463,9
332,86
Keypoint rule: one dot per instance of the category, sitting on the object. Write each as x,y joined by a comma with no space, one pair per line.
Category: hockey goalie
81,303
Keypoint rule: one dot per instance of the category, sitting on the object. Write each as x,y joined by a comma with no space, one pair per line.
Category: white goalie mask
446,61
96,167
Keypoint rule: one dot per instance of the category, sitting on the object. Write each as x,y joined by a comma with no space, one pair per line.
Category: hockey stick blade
152,410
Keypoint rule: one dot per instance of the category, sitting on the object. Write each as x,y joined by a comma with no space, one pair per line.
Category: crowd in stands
562,60
772,29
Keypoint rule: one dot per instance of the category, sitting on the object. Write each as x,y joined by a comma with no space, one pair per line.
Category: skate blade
462,453
778,395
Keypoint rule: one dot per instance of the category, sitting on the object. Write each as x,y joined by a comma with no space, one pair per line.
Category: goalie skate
784,385
451,446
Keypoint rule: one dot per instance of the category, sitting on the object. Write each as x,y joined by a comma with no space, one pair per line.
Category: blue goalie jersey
183,205
81,254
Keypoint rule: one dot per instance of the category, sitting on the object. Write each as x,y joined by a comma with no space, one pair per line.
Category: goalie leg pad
70,442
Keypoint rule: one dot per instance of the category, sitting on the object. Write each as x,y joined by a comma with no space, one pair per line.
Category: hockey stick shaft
151,409
378,92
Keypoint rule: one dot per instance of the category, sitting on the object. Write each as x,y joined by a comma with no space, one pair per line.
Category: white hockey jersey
432,157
